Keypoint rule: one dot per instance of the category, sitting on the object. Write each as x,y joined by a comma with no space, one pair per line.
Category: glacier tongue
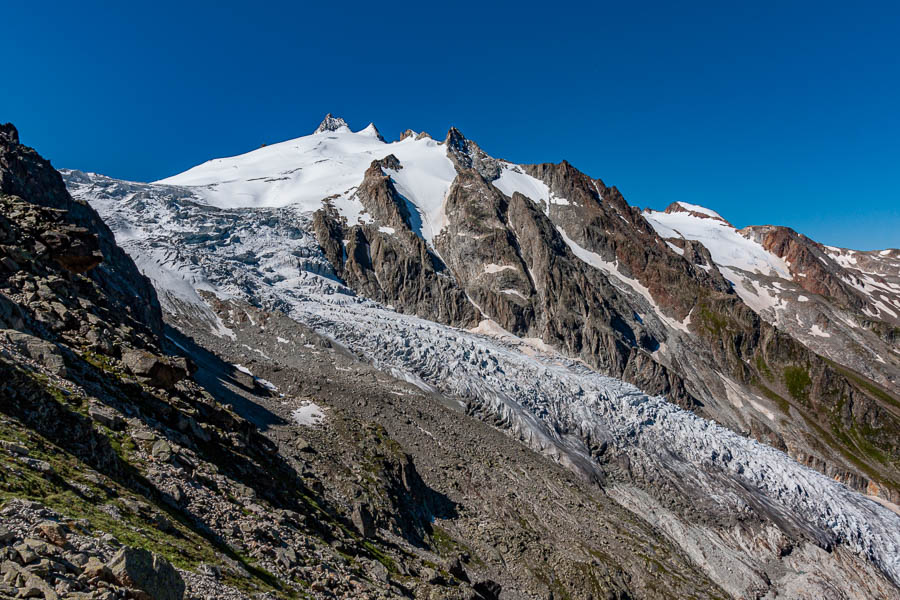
557,406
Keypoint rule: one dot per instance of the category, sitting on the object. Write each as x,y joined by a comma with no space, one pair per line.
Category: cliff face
24,174
387,261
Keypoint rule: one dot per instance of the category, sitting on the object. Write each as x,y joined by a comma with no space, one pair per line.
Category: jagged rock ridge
331,123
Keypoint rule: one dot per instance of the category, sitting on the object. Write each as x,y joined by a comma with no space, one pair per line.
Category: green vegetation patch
713,322
762,367
797,380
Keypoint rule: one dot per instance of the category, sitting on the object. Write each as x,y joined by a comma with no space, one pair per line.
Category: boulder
37,465
42,351
152,576
158,371
488,590
14,448
362,520
161,451
106,416
456,568
286,557
302,445
10,314
95,569
53,532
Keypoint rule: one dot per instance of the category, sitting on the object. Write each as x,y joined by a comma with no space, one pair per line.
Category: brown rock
96,569
152,576
53,532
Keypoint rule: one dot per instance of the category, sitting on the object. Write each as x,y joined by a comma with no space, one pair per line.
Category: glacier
267,256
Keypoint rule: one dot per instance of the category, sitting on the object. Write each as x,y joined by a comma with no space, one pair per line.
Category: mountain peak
370,130
331,123
9,133
695,210
455,139
468,155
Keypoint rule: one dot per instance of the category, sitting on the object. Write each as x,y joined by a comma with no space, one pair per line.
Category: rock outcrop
69,231
331,123
390,263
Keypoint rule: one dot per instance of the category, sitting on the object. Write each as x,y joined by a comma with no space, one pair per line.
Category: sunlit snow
307,170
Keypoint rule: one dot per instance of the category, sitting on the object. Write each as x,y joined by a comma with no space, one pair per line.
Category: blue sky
769,112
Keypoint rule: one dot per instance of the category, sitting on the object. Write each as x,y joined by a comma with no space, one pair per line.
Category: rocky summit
343,367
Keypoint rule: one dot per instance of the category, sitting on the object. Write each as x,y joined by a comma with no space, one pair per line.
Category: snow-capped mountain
330,164
535,298
844,304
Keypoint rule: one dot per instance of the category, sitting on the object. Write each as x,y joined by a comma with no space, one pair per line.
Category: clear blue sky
769,112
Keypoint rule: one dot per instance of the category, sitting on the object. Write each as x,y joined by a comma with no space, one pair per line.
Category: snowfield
304,171
726,245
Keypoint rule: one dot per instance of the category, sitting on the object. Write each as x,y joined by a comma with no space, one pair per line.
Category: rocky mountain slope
400,388
446,232
844,304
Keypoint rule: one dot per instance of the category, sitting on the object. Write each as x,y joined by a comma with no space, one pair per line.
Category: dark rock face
466,154
153,577
512,262
155,370
483,253
72,232
43,299
600,220
74,248
393,268
11,316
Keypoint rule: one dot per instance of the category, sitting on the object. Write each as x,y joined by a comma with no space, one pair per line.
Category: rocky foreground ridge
273,434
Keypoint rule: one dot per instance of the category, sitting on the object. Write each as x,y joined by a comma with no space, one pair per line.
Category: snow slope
726,245
330,164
